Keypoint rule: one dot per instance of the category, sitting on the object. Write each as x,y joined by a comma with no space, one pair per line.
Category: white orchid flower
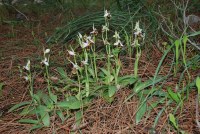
105,28
72,53
45,61
26,78
74,65
118,42
85,44
46,51
137,29
85,62
28,65
89,38
116,36
94,31
107,14
135,43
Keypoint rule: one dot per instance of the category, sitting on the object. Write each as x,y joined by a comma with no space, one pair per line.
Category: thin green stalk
177,44
87,88
94,60
138,54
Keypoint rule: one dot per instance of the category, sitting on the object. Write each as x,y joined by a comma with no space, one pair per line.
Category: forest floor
17,44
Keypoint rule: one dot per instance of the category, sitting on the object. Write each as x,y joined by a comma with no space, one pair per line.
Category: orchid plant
88,80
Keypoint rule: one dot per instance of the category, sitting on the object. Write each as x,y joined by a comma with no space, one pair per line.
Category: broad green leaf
91,71
198,84
36,127
1,88
53,97
132,80
37,98
30,110
62,73
173,120
111,90
19,105
79,95
143,85
127,80
105,71
78,117
47,101
109,79
173,96
30,121
44,115
71,104
140,113
106,97
155,104
115,51
60,114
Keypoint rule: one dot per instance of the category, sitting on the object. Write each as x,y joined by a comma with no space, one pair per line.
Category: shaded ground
100,117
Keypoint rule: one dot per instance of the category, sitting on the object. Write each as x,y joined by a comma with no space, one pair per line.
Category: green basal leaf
60,115
155,104
173,120
132,80
36,127
140,113
53,97
62,72
173,96
109,79
30,110
47,100
105,71
106,97
91,71
78,117
70,104
116,51
112,90
37,98
142,85
44,115
1,88
29,121
198,84
19,105
127,80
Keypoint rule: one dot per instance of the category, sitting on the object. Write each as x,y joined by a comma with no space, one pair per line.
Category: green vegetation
101,40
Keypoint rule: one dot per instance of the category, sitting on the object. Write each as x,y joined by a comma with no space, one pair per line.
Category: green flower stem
87,77
117,69
138,53
94,60
47,78
31,83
